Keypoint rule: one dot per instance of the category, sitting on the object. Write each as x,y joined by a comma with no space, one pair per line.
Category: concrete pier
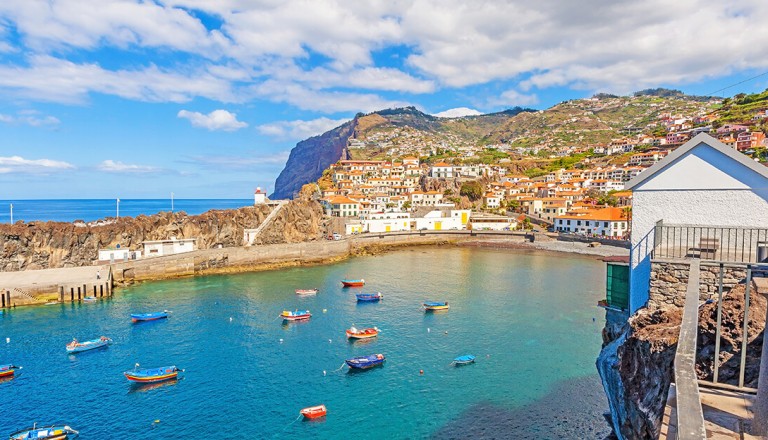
63,284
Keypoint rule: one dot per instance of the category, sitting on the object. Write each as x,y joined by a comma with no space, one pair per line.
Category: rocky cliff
41,245
636,366
310,157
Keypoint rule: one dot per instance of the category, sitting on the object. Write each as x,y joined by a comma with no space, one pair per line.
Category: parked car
336,236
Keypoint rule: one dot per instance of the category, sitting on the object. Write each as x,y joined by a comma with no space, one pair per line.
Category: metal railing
717,243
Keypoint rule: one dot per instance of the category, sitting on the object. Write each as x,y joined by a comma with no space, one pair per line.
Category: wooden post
101,290
85,292
61,293
79,295
94,291
3,300
72,294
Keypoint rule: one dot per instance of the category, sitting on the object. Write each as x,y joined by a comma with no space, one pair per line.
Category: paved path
33,286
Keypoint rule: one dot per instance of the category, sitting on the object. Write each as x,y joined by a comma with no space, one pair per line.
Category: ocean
529,317
69,210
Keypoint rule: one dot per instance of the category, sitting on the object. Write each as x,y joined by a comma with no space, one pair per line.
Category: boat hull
153,375
369,297
363,334
435,306
304,292
50,433
353,283
314,412
89,345
287,316
7,373
148,317
365,362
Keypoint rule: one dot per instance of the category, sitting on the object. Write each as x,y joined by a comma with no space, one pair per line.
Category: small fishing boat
353,283
150,375
369,296
141,317
354,333
431,306
464,360
76,347
306,291
296,315
365,362
89,299
62,432
8,370
314,412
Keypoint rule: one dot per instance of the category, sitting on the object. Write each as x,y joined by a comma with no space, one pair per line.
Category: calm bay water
69,210
527,316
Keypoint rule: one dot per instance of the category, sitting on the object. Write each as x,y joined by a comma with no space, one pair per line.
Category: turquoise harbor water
69,210
528,317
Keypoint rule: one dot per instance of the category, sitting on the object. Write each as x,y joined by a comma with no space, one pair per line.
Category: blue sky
137,99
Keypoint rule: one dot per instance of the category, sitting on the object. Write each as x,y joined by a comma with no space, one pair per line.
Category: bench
706,249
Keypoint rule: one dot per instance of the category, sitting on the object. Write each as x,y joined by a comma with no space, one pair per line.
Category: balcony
716,243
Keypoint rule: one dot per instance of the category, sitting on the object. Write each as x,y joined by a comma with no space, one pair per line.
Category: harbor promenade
73,284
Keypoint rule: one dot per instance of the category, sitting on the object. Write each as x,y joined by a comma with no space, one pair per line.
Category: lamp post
118,208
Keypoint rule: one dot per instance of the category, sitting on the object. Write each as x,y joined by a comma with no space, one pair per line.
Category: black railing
717,243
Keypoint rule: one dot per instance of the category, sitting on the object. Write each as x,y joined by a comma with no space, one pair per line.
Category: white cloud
325,101
457,112
17,164
215,120
512,98
299,129
111,166
31,118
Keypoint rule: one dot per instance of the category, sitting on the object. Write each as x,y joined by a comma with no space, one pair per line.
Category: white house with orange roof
341,206
491,200
411,160
605,222
442,170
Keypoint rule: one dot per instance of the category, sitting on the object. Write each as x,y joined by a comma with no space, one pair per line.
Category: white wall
702,187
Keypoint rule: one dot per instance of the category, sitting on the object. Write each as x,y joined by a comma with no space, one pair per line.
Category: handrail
690,416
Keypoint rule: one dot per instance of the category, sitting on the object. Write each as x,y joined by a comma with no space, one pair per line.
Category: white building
488,222
259,197
172,246
441,170
606,222
704,182
118,254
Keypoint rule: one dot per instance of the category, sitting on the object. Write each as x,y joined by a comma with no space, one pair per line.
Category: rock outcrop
636,371
42,245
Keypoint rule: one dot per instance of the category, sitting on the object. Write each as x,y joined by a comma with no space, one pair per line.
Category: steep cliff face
41,245
298,221
309,158
636,371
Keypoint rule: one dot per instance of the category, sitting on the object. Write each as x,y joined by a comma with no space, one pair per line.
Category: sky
205,98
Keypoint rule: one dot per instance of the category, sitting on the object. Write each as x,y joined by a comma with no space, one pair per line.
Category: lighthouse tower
259,197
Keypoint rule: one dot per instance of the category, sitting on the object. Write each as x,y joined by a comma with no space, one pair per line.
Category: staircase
272,215
23,293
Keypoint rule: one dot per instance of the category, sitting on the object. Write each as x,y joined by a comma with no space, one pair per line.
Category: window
605,224
578,222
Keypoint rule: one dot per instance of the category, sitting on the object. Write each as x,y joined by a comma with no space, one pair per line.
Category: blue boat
140,317
431,306
369,296
464,360
77,347
365,362
150,375
62,432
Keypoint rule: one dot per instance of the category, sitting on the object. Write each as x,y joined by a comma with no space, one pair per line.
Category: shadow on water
144,387
551,417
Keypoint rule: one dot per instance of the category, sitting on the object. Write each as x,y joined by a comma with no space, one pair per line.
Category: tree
473,190
407,205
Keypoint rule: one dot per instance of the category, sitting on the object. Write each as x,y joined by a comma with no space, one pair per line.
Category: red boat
353,283
8,370
353,333
314,412
296,315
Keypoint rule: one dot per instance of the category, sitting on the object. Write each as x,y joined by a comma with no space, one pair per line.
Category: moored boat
296,315
369,296
141,317
431,306
150,375
464,359
353,283
90,299
306,291
55,432
8,370
313,412
365,362
75,346
354,333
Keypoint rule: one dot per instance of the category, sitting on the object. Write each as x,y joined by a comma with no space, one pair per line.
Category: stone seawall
669,280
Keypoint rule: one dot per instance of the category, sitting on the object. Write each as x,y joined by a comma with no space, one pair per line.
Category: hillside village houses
378,195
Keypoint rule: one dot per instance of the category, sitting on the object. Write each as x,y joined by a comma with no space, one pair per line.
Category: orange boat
314,412
353,333
353,283
8,370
